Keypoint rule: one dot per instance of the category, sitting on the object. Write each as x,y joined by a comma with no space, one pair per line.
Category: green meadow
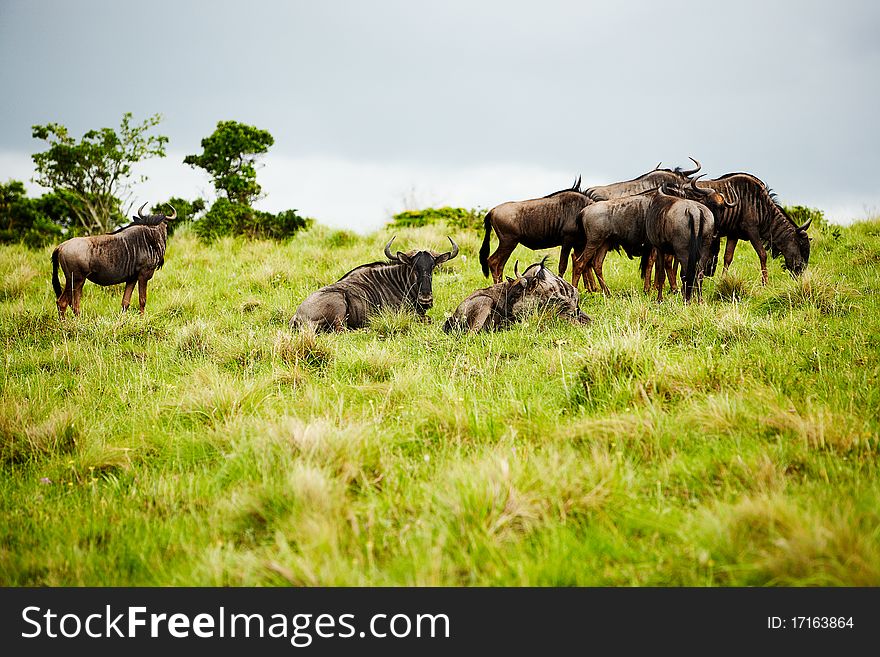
724,444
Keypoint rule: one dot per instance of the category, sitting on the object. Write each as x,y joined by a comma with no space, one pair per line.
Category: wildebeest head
796,252
142,219
422,264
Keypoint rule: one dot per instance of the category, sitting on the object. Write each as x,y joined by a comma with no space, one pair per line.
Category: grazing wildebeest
685,229
538,223
403,281
553,292
129,255
490,308
759,218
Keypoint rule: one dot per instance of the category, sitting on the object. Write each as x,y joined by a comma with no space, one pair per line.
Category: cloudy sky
377,106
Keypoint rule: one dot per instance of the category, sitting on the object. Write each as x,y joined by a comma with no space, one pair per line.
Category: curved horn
454,247
692,171
516,268
543,263
697,190
172,216
806,225
661,190
731,204
659,164
392,258
141,211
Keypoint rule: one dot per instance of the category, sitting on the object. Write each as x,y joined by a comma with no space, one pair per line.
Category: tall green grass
729,443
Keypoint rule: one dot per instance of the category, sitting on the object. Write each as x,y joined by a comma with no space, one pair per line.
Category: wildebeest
405,280
129,255
759,218
499,305
647,181
538,223
618,222
490,308
552,292
683,228
643,183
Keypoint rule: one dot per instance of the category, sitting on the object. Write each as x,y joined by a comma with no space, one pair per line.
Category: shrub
800,214
228,218
455,217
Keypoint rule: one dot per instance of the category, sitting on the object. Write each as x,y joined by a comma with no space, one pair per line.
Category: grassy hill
733,443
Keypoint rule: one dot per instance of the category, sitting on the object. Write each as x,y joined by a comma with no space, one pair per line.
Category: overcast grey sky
374,105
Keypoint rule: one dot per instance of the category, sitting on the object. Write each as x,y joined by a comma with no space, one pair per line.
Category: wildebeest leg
649,269
589,281
76,293
755,239
142,293
126,296
728,252
498,259
479,321
671,264
660,276
64,298
598,260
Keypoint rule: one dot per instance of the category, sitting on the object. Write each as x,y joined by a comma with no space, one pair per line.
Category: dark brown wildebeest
490,308
760,219
499,305
685,229
643,183
129,255
551,292
405,280
538,223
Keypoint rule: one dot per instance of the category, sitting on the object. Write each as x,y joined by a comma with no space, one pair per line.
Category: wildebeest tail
451,324
56,284
484,249
690,274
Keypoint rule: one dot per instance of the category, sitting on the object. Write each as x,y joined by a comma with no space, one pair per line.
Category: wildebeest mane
152,220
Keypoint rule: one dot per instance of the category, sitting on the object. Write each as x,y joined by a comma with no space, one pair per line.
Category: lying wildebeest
552,292
685,229
129,255
499,305
538,223
404,281
759,218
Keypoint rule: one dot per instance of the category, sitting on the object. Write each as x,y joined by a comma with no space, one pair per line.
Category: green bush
228,218
455,217
800,214
35,222
186,211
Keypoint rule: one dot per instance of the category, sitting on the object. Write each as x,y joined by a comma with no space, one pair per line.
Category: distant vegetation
730,443
453,217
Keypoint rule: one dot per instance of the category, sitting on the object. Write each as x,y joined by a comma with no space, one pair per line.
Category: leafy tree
186,211
92,176
228,218
229,156
36,222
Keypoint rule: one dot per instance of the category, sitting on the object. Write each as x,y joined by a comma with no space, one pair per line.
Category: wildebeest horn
692,171
701,192
141,211
173,216
659,164
515,269
454,247
806,225
731,204
392,258
543,263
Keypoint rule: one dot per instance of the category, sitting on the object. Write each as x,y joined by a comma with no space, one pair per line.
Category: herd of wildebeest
668,218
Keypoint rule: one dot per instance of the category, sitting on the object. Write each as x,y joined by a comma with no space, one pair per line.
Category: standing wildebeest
643,183
685,229
759,218
129,255
538,223
618,222
551,291
405,280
